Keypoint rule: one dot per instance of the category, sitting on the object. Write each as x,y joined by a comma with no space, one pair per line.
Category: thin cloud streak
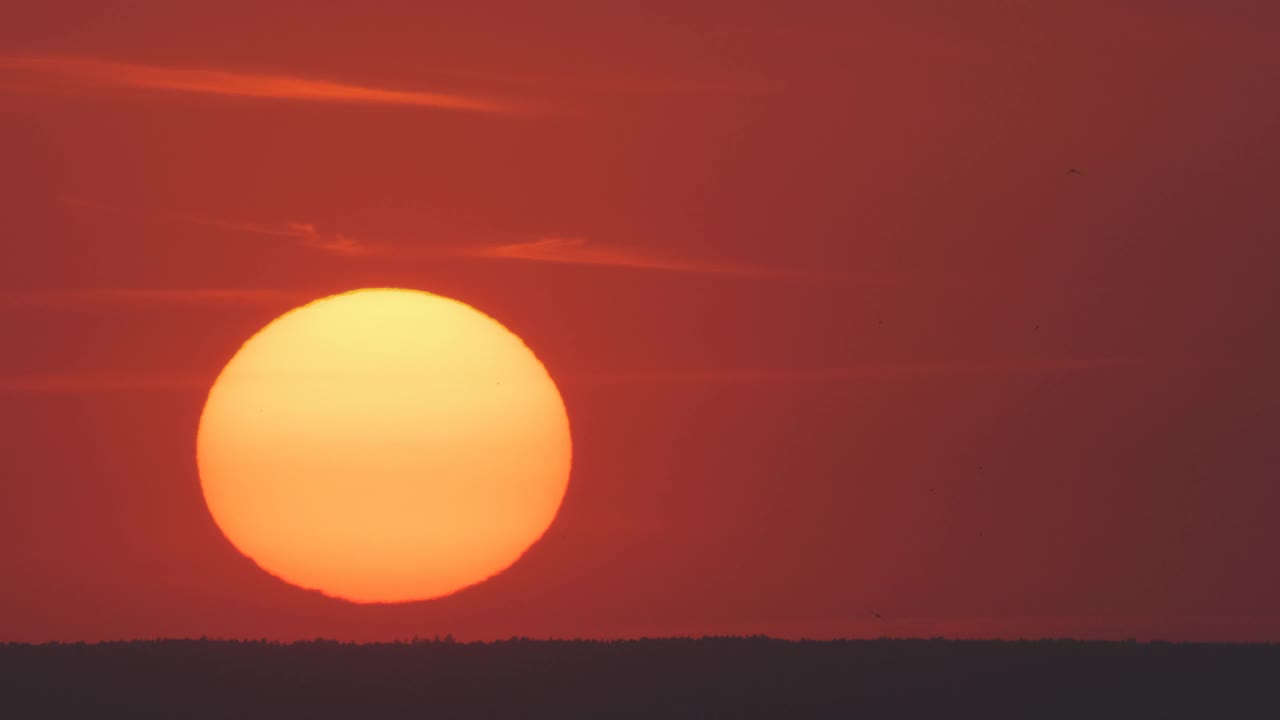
886,371
306,234
111,73
83,383
578,251
22,300
72,383
554,249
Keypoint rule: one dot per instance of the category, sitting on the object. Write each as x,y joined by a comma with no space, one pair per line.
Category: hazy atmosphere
910,319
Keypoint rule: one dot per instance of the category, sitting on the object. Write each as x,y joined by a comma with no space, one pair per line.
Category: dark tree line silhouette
646,678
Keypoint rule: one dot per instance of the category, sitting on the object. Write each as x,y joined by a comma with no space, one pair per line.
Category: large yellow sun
384,445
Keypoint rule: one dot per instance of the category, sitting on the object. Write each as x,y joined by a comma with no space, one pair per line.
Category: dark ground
711,677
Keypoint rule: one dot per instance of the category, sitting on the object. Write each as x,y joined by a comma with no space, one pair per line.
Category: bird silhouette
1073,171
879,617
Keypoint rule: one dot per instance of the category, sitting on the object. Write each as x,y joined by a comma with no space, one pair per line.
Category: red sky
835,330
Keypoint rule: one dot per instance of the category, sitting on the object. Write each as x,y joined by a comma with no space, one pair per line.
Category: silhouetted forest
702,678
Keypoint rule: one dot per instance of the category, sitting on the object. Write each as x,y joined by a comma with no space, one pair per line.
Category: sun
384,445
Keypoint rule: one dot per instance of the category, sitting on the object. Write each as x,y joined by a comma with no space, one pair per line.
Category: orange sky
834,330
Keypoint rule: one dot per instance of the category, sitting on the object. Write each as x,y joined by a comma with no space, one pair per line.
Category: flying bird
1073,171
879,617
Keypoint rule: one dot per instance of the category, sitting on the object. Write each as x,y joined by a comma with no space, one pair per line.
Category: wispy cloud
23,299
96,73
852,373
90,382
579,251
82,383
305,234
557,249
560,249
